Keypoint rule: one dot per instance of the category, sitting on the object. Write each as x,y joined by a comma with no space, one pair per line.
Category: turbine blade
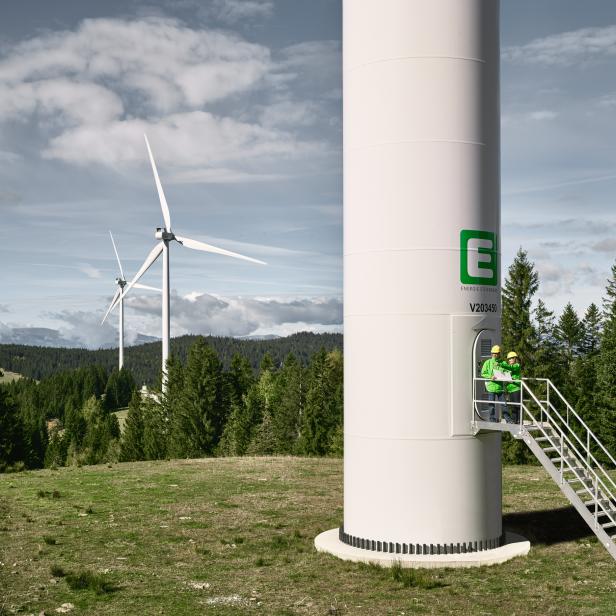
138,285
159,187
114,301
195,245
117,256
154,254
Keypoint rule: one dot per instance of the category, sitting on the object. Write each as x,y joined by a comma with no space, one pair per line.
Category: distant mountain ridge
143,360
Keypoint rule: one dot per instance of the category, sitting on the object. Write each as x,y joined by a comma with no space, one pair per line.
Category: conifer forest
230,397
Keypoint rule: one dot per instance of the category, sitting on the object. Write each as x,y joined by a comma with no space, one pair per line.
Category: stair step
582,491
575,469
584,480
608,525
605,501
609,512
547,449
564,459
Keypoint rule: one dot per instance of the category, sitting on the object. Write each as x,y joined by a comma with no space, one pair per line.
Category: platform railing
575,455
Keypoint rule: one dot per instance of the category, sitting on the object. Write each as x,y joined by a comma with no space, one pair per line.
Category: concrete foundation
515,545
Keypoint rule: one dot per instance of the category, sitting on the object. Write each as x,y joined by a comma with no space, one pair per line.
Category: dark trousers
494,413
514,398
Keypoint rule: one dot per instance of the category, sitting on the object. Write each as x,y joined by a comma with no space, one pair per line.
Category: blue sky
241,101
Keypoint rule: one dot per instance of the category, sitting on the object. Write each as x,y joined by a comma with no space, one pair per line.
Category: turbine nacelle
120,281
163,234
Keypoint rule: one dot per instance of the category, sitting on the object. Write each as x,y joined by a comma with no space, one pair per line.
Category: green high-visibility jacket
487,371
516,375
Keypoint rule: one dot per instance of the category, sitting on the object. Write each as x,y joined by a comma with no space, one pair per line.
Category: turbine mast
165,314
121,334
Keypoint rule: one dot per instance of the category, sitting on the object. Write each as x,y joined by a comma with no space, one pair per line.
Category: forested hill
144,360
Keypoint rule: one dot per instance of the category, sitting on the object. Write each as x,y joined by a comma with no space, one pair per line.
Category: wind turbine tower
421,280
165,236
118,298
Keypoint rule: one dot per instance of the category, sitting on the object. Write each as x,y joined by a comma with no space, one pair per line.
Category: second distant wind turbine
119,298
166,235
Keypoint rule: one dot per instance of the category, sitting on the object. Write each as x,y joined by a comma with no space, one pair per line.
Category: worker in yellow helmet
513,389
496,392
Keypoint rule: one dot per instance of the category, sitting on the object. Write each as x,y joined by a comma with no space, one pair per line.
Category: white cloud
7,157
508,119
94,91
607,102
89,270
190,139
561,184
566,48
232,11
318,63
75,102
160,60
290,113
544,114
222,175
606,245
238,316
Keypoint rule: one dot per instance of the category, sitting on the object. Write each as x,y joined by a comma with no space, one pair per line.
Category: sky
241,101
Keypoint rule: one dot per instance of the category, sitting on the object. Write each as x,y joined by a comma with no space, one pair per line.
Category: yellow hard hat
495,349
511,354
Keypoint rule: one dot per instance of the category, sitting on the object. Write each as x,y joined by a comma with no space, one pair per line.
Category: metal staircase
566,447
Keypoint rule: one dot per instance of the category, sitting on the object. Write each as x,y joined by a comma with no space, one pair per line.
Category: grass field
235,536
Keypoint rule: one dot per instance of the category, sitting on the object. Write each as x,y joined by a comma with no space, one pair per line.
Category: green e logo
478,257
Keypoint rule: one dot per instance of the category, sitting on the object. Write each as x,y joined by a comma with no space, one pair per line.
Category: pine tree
102,434
610,295
323,409
155,429
548,363
521,285
606,371
570,333
267,363
34,431
75,425
243,421
239,378
199,420
263,441
591,326
262,436
581,390
57,449
290,394
119,389
11,433
132,439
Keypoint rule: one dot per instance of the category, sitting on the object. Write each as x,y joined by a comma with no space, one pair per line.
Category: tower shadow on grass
548,526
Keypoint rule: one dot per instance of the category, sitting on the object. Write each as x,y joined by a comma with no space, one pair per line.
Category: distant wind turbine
119,297
165,235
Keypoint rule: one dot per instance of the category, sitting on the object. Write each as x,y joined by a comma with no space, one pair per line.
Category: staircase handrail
564,438
589,454
597,480
582,422
585,448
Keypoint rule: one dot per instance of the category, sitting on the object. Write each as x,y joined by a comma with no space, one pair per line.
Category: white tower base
515,545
